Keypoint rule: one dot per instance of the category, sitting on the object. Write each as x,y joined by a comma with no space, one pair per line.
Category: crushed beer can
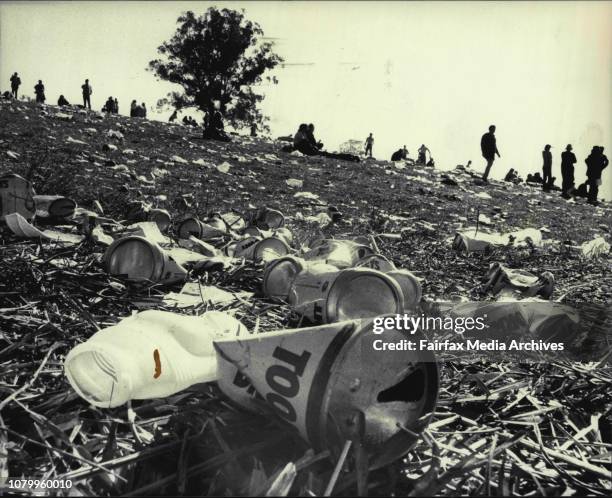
16,196
339,253
503,279
331,384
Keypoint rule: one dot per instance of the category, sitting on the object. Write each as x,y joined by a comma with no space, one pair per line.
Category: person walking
15,82
369,143
547,168
488,146
596,163
87,91
39,90
568,159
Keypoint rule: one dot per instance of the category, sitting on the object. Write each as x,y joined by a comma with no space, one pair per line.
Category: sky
437,73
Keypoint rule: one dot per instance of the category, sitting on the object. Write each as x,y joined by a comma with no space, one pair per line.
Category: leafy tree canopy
217,57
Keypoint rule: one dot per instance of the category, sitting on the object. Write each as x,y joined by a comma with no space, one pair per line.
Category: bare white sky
437,73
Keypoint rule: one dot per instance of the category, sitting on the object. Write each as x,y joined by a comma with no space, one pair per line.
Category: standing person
87,91
568,159
39,90
596,163
547,168
133,109
422,158
369,143
173,117
15,82
488,146
116,106
143,112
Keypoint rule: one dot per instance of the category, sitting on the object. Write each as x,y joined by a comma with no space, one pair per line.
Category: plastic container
151,354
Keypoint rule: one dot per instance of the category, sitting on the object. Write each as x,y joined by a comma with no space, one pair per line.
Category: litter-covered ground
499,428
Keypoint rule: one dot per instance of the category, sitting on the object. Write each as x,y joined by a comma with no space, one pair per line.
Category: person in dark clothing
511,176
311,138
143,110
253,130
173,116
62,101
582,190
537,178
109,106
546,167
214,128
369,143
596,163
87,91
398,155
305,142
133,109
488,146
115,106
15,82
422,157
568,159
39,90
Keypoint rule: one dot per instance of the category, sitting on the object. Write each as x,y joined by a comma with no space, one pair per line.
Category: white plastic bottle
151,354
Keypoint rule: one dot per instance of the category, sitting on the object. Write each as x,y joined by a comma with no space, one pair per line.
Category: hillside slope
52,298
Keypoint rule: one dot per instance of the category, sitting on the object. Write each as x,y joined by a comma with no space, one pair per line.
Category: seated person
431,163
62,101
581,191
303,142
310,135
214,128
398,155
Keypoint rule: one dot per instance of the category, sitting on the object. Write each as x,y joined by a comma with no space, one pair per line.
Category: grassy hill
51,298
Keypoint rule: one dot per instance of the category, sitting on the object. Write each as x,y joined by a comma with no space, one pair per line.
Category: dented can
331,384
140,260
258,249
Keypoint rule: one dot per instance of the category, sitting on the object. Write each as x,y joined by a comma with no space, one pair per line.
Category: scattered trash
501,278
258,249
294,182
21,228
194,294
594,248
224,167
149,355
180,160
54,206
114,134
339,253
212,229
16,196
472,240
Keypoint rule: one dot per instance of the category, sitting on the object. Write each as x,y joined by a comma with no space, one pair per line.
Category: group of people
189,121
138,111
305,142
596,162
402,155
111,106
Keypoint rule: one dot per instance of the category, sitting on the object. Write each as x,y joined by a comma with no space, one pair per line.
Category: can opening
410,389
94,375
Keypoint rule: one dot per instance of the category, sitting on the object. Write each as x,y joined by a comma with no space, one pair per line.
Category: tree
217,57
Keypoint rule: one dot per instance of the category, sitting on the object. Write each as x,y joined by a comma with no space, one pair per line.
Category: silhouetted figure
398,155
568,159
109,106
596,163
422,158
511,176
133,109
214,128
310,136
582,190
172,117
116,106
369,143
15,82
143,110
546,167
431,163
253,130
488,146
87,91
39,90
62,102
